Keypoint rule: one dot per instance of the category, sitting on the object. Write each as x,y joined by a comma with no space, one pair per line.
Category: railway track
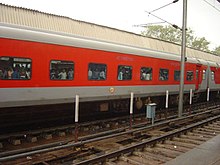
88,147
64,133
159,150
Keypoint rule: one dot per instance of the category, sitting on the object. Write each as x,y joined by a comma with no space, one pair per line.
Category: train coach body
146,72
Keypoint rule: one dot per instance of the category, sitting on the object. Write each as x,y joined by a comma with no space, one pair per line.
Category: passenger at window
1,74
28,74
5,73
90,74
52,74
22,72
120,75
63,75
16,74
102,75
96,74
10,72
70,74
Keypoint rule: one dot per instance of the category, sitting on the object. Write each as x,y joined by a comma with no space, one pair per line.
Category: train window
97,71
177,75
146,73
14,68
213,75
204,74
124,72
163,74
61,70
189,75
197,74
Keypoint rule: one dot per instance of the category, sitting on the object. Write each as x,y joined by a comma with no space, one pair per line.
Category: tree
169,33
217,50
201,44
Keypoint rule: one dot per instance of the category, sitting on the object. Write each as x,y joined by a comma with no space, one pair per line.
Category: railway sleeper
201,134
110,163
212,127
161,152
173,147
143,160
194,138
208,131
187,140
163,149
151,156
129,160
182,144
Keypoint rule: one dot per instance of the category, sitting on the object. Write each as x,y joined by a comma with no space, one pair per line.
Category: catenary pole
183,55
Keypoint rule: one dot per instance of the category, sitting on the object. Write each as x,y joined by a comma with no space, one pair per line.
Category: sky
202,18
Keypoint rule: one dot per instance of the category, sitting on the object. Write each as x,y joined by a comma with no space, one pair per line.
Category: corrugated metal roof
36,19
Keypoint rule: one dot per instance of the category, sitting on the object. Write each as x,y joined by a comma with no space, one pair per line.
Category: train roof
55,23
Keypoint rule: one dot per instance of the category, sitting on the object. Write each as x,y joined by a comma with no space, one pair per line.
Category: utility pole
183,55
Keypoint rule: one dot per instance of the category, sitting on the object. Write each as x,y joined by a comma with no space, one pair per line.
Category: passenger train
40,67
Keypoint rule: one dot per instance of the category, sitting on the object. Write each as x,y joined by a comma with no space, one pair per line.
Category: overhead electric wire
175,26
164,6
212,5
163,21
148,24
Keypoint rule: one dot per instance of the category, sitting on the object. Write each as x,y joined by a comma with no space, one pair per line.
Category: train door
198,75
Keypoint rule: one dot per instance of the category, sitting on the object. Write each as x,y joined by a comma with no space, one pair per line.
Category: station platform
207,153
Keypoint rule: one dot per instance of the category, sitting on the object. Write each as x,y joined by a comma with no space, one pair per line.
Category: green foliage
168,33
216,50
201,44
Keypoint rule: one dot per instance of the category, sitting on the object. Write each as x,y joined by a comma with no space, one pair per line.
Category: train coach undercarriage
34,116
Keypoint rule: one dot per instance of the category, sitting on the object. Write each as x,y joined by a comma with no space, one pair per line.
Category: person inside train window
15,68
102,75
163,74
120,75
28,74
97,71
177,75
212,75
5,74
189,75
16,74
146,73
22,72
61,70
9,73
204,74
70,74
62,75
90,74
1,74
124,72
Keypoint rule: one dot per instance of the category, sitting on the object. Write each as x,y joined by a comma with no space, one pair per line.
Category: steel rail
83,142
134,147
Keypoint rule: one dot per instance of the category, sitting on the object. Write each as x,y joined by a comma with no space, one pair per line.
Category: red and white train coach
40,67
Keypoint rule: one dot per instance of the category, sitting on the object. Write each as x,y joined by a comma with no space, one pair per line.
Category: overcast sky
203,18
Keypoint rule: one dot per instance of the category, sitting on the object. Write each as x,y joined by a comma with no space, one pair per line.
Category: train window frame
146,73
52,74
189,76
212,75
124,68
176,77
165,76
16,63
203,74
97,71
